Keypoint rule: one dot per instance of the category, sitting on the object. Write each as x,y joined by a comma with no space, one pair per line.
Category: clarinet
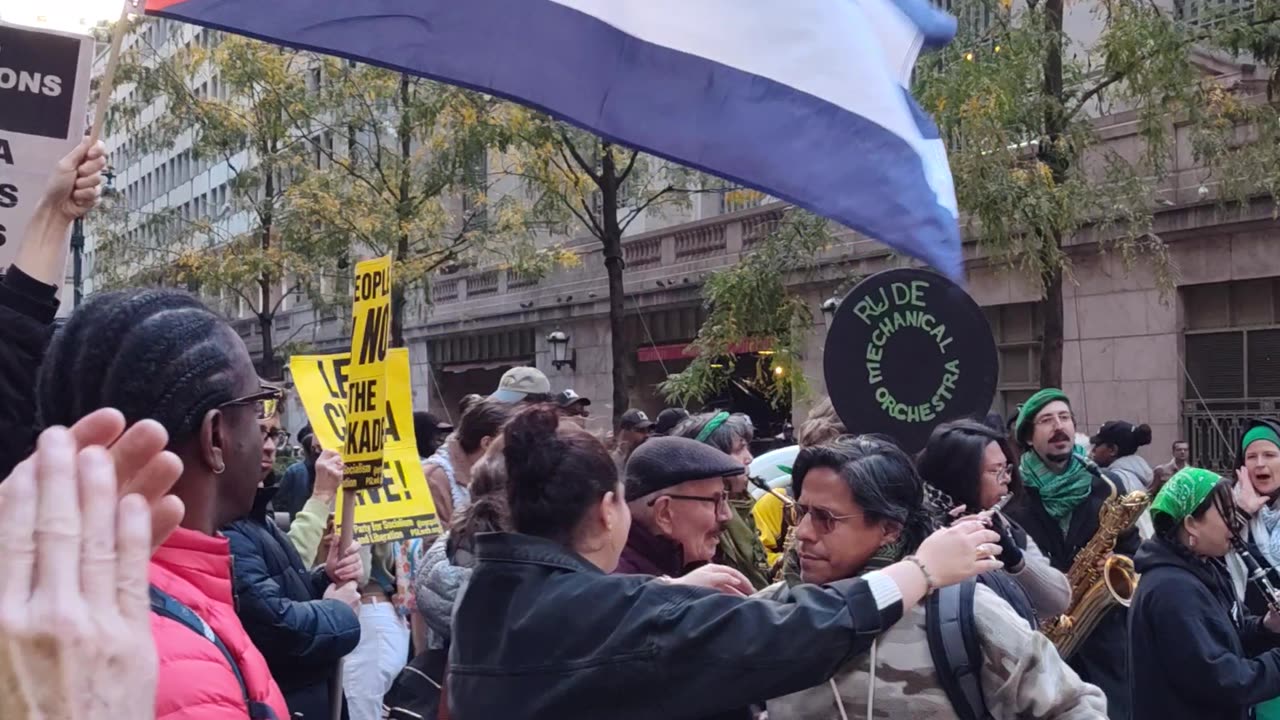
1256,574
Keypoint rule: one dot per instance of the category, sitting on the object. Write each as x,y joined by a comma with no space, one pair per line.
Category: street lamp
560,353
77,246
829,307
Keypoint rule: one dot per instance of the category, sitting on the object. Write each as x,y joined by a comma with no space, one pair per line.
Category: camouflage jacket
1023,676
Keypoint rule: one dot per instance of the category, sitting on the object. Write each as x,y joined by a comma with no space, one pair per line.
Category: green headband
1184,492
1260,432
712,425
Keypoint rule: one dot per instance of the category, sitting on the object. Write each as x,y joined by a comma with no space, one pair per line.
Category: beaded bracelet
930,586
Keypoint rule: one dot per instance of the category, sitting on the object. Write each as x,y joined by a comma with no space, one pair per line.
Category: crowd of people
154,562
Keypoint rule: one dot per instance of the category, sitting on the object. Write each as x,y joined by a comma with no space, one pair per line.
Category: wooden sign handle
109,77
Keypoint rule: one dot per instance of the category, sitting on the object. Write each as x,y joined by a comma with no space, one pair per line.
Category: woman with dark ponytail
543,632
1198,654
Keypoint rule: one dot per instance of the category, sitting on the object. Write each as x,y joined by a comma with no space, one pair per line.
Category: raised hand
76,182
75,616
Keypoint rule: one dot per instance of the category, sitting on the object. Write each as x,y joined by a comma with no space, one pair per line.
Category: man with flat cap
679,504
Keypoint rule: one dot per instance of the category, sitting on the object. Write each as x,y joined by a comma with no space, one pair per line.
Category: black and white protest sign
44,88
909,349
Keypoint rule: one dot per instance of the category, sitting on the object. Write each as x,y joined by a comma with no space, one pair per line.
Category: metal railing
1214,428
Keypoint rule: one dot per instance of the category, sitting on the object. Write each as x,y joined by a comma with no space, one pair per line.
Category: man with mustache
1065,492
676,488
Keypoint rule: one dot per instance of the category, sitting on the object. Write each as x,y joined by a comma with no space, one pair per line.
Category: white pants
367,673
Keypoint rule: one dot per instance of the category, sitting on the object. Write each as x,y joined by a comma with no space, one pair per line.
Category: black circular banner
907,350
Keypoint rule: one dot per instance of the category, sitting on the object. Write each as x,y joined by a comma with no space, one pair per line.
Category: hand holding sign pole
908,350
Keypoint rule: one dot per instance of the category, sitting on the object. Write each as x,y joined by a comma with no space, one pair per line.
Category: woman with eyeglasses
861,509
161,355
543,632
974,467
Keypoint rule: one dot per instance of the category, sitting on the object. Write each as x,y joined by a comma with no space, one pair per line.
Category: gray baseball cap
519,382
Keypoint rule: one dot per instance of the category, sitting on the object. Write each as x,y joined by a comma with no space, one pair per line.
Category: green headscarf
1033,405
1184,492
1060,492
1259,432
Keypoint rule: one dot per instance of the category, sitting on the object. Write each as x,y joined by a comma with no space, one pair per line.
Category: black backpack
165,605
953,639
415,693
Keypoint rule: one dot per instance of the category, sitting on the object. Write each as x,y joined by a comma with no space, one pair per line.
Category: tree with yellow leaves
228,105
1016,98
579,182
402,169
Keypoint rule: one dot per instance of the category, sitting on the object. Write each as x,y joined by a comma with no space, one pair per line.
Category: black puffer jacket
301,635
27,307
1103,658
1190,642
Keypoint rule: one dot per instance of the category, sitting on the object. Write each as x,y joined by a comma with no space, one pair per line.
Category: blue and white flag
805,100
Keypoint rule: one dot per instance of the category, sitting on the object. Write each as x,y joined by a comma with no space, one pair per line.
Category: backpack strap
167,606
953,644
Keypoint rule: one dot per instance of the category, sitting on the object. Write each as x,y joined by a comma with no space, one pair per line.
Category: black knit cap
663,462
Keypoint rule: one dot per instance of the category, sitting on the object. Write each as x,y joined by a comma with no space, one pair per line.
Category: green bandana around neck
1184,492
1060,492
1260,432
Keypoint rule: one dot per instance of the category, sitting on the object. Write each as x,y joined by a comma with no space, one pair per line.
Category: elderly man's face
693,514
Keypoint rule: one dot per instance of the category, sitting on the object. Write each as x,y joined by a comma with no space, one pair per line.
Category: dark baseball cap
569,397
634,419
668,420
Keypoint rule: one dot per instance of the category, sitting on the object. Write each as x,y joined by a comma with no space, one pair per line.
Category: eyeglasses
276,435
1002,473
718,499
264,401
824,521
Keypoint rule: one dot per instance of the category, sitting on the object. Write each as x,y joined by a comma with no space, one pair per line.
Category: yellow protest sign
367,375
401,506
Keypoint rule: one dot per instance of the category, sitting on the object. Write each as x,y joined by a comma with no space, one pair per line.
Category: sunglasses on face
264,401
824,521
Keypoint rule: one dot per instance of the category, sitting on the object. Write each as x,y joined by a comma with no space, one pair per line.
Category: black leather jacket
542,634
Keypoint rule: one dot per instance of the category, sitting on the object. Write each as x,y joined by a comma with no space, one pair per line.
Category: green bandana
712,425
1260,432
1060,493
1184,492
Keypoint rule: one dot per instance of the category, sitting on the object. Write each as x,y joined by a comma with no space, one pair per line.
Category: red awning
656,353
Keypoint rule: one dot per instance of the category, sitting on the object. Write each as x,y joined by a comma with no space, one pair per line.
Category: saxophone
1099,578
